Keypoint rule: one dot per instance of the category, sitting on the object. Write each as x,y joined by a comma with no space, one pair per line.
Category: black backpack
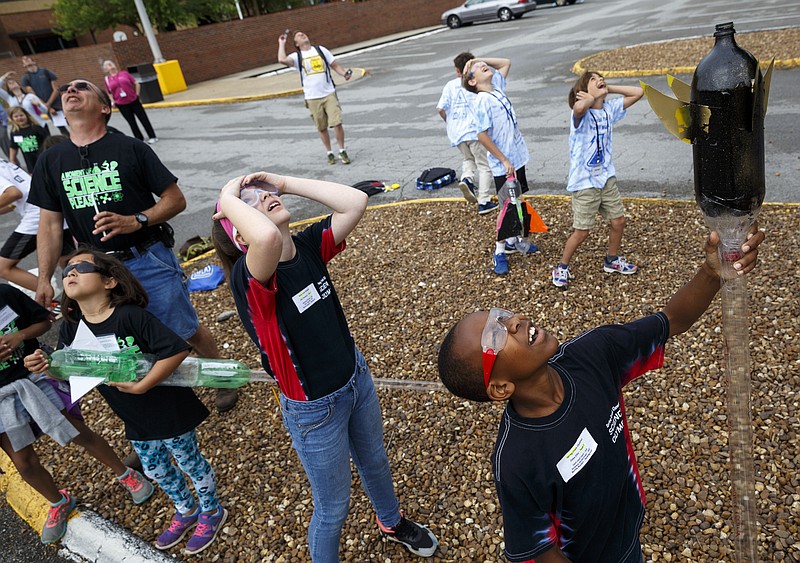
435,178
324,60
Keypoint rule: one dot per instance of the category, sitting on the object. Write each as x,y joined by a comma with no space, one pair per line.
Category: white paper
85,340
79,385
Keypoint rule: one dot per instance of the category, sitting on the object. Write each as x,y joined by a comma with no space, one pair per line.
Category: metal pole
148,31
239,9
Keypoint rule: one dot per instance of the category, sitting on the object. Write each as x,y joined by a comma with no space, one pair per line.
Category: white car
483,10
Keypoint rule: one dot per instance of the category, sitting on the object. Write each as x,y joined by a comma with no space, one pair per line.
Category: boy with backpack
314,63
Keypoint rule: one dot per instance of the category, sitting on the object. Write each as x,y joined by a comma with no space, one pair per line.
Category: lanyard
505,107
600,151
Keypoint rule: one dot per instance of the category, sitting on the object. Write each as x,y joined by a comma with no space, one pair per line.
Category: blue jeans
159,271
325,434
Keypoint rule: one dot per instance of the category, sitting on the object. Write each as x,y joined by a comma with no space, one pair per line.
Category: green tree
76,17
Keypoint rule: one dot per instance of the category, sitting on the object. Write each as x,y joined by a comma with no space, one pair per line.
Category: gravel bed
783,44
409,272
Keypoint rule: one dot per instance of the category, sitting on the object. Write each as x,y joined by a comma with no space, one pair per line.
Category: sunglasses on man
77,85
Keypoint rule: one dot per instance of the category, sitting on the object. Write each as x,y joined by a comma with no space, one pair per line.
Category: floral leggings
158,466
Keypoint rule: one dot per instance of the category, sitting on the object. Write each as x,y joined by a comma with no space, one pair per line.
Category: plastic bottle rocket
124,366
118,367
729,150
722,115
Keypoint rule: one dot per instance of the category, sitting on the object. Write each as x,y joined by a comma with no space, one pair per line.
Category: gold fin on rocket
674,114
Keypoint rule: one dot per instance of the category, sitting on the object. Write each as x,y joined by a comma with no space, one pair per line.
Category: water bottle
729,152
209,372
512,185
120,367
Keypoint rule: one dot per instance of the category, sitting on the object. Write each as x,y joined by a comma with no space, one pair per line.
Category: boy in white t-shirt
499,133
318,88
15,184
455,108
592,176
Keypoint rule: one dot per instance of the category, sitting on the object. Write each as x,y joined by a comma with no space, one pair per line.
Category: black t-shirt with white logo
163,412
296,319
118,174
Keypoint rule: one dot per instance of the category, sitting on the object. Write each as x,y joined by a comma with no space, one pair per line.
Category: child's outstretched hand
38,362
743,265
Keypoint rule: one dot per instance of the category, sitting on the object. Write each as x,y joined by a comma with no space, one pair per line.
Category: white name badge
306,297
122,94
578,456
18,138
7,314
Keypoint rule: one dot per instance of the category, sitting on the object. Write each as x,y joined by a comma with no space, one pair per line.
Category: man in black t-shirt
564,465
104,186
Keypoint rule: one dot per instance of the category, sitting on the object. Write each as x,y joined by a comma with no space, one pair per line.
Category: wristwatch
142,219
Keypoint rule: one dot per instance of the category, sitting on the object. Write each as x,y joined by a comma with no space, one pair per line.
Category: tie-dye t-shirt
590,162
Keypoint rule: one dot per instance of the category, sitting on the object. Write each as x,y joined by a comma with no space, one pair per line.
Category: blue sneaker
208,526
619,265
523,247
468,189
500,263
488,207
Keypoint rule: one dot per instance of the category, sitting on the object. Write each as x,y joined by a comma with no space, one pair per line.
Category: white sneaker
152,141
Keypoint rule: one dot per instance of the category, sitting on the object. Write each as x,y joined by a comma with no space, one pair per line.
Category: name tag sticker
577,457
7,314
18,138
306,297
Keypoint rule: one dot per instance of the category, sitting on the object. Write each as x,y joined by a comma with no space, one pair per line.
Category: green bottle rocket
117,367
126,366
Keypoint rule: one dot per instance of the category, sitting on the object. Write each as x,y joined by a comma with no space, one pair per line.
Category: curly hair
462,59
460,378
128,291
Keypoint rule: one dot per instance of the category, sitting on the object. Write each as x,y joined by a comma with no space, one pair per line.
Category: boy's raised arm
631,94
691,301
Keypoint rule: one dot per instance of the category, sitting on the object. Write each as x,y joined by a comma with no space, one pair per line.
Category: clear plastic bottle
208,372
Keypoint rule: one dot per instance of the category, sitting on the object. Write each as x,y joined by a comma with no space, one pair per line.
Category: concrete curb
360,73
94,539
89,537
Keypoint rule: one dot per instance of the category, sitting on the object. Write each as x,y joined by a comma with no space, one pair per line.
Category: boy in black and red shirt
564,465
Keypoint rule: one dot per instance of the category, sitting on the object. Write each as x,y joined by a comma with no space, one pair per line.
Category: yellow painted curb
21,497
239,99
579,68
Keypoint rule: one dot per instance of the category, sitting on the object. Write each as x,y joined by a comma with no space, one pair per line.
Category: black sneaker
416,538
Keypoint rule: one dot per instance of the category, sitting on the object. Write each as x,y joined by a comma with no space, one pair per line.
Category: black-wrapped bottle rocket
729,149
722,115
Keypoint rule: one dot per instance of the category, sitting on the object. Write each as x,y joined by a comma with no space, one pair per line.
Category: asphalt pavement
255,120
